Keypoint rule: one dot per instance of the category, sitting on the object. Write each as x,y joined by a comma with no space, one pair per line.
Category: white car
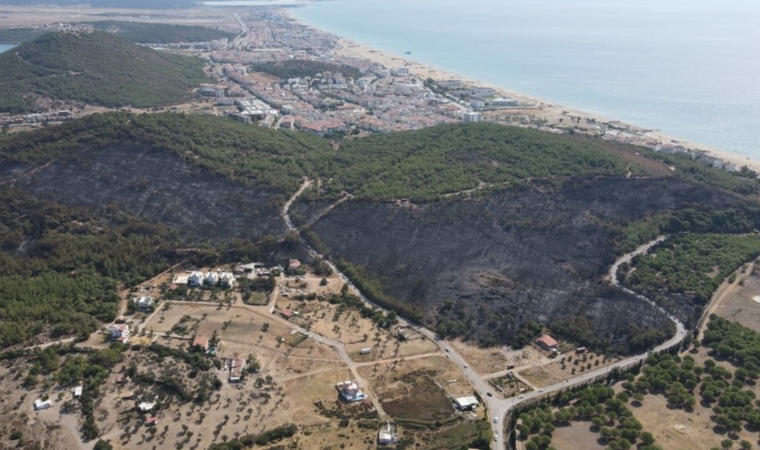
521,396
495,420
541,390
465,366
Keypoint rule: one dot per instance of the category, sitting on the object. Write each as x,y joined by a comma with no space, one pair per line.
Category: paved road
498,407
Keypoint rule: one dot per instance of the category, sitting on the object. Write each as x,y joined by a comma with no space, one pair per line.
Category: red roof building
547,342
151,421
287,313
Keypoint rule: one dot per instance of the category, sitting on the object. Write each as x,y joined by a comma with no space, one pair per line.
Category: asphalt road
498,407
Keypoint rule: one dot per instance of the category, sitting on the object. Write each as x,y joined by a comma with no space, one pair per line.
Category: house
294,264
211,279
202,342
145,303
119,332
195,279
350,392
40,404
151,421
547,342
466,403
387,434
287,313
145,406
236,370
77,391
226,280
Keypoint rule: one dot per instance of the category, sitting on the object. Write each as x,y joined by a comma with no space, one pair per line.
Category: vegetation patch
94,68
299,68
421,400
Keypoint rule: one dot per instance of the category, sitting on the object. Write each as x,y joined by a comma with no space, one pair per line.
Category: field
577,436
540,377
741,301
509,387
494,360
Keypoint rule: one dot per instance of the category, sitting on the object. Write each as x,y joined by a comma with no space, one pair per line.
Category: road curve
497,407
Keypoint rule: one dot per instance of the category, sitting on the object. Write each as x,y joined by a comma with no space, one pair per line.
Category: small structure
195,279
211,279
227,280
350,392
547,342
387,434
119,332
145,406
365,351
40,404
151,421
128,395
287,313
202,342
472,117
466,403
580,350
294,264
145,303
77,391
236,370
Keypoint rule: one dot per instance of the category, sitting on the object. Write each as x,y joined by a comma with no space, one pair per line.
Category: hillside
534,222
143,33
93,68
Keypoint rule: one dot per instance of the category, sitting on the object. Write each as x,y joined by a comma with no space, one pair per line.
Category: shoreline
534,106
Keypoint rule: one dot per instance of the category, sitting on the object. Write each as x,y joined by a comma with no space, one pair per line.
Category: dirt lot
675,428
540,377
742,303
386,377
577,436
493,360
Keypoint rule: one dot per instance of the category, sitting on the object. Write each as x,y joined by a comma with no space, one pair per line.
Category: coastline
540,109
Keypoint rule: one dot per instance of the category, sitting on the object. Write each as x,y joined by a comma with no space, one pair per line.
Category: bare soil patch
540,377
416,396
740,305
576,436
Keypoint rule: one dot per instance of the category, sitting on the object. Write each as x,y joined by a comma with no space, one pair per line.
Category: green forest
694,264
60,267
95,68
299,68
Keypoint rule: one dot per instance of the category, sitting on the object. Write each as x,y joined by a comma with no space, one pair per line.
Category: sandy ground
576,436
741,300
495,360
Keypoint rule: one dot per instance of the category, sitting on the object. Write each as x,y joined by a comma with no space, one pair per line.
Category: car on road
446,349
465,366
521,396
489,394
495,420
541,390
448,356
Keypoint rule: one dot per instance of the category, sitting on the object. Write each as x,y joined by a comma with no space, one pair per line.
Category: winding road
498,407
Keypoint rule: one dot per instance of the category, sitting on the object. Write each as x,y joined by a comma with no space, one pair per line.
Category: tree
647,438
725,444
103,445
745,444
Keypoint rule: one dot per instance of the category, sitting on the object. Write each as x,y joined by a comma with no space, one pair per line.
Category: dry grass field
540,377
742,302
576,436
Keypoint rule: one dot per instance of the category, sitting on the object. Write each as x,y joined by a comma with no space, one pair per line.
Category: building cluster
36,118
224,280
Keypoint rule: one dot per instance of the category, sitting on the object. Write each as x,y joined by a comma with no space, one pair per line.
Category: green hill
94,68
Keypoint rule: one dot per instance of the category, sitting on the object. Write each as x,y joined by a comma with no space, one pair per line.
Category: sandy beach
550,112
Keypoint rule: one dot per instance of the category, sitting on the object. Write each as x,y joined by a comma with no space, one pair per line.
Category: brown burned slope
487,268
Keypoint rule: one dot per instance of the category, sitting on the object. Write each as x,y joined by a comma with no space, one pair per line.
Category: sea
688,68
4,47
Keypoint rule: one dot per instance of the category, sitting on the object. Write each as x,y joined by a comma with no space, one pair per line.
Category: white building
503,102
195,279
350,391
466,403
40,404
227,280
145,406
119,332
144,303
211,279
77,391
472,116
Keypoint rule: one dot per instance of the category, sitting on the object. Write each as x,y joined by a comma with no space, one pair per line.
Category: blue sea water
4,48
690,68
